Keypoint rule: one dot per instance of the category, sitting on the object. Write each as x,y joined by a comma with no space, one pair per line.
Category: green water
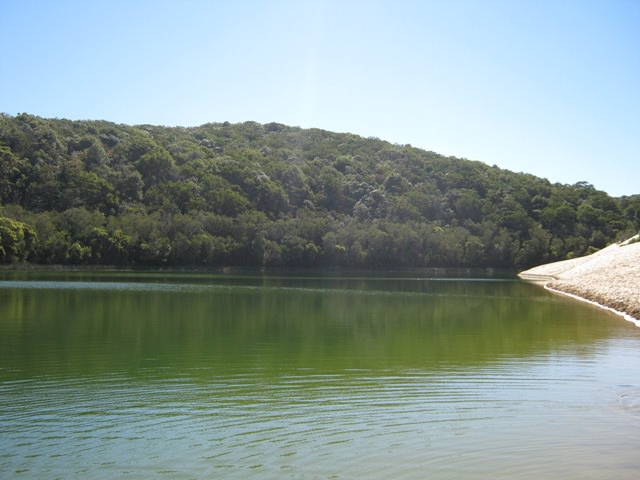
405,375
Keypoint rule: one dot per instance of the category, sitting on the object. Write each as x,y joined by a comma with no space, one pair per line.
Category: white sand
609,278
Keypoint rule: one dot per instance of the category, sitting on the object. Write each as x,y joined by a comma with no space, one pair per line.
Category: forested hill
94,192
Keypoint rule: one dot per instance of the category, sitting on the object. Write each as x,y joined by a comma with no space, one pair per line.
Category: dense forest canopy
95,192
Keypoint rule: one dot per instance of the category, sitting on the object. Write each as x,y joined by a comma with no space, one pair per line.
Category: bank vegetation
100,193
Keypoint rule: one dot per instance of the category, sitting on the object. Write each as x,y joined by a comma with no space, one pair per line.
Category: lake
404,375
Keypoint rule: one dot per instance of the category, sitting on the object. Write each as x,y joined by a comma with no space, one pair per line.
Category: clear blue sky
545,87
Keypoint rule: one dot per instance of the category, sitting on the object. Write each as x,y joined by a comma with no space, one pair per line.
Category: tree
109,247
560,220
13,171
156,166
17,240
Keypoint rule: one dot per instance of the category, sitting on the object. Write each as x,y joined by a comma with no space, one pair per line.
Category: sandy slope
610,277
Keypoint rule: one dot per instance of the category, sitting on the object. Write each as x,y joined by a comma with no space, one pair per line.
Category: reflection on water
186,376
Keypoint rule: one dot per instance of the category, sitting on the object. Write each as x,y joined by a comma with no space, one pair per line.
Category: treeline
94,192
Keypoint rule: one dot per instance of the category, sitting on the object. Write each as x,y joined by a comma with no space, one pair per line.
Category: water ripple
354,424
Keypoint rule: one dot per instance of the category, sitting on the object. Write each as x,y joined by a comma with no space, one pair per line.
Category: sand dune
609,278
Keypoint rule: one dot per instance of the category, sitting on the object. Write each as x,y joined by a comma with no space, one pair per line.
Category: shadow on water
223,324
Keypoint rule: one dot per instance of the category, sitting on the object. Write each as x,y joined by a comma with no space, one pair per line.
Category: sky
547,87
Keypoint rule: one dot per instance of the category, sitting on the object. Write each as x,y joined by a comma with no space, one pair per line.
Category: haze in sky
548,87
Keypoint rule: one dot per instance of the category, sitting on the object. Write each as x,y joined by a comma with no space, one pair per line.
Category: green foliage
93,192
17,240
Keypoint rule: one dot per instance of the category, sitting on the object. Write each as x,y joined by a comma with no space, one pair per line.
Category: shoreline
621,313
608,279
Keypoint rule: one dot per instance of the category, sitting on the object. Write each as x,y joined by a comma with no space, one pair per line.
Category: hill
95,192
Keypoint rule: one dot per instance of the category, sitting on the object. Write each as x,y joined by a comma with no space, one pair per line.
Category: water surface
238,376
